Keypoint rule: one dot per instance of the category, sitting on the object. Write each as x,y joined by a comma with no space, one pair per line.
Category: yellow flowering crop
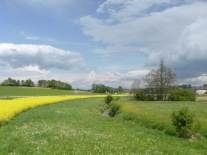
9,108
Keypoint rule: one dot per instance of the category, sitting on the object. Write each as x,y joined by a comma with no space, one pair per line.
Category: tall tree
160,81
29,83
120,89
135,86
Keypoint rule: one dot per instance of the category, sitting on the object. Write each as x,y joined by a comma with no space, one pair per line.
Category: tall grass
157,115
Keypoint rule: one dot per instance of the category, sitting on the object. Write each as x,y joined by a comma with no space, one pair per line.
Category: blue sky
111,42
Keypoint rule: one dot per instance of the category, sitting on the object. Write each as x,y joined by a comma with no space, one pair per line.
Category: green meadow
79,127
7,91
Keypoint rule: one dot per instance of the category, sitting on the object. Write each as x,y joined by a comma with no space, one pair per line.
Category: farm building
200,90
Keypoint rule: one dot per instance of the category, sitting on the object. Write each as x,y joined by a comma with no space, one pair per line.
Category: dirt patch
199,98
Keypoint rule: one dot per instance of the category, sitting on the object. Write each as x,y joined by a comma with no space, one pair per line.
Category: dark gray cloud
177,33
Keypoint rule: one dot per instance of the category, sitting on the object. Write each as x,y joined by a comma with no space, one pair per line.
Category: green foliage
159,97
100,88
140,95
120,89
183,122
205,85
29,83
41,83
117,98
150,97
114,109
13,82
182,95
57,85
108,99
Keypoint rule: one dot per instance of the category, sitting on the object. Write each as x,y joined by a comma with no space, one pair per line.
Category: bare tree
135,85
160,81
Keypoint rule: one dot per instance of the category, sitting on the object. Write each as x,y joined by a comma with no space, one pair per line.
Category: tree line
54,84
100,88
13,82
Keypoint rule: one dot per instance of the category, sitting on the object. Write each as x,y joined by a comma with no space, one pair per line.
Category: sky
110,42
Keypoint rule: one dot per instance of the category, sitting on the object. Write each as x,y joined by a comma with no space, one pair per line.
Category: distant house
200,90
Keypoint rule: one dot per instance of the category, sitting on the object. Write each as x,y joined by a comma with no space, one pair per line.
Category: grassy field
6,91
78,127
157,115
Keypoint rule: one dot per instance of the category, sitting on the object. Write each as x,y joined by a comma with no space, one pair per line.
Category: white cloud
30,72
78,80
34,68
122,10
107,78
176,33
151,30
45,57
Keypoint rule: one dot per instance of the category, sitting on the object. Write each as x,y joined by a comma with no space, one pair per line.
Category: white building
201,90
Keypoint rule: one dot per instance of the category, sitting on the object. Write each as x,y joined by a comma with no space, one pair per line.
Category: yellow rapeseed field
10,108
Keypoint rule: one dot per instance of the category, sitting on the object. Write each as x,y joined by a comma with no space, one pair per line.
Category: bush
117,98
182,95
150,97
140,95
114,110
183,122
108,99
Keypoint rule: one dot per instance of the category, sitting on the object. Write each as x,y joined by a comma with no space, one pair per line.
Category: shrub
114,110
108,99
182,95
150,97
183,122
140,95
117,98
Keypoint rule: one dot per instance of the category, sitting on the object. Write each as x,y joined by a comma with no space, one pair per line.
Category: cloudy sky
111,42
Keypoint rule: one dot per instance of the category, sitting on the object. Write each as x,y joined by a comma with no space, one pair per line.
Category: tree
10,82
205,85
55,84
22,83
29,83
100,88
160,81
43,83
135,86
120,89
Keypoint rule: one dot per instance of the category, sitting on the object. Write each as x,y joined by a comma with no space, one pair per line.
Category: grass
157,115
6,91
78,127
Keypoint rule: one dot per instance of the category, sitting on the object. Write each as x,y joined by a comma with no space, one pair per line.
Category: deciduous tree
160,81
